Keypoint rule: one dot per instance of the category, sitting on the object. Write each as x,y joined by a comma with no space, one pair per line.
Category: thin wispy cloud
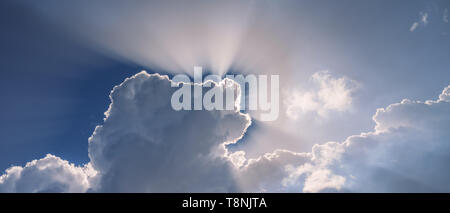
423,21
445,16
414,26
424,18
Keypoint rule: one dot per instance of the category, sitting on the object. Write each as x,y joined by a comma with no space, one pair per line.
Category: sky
364,86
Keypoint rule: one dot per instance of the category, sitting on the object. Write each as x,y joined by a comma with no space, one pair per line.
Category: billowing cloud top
146,146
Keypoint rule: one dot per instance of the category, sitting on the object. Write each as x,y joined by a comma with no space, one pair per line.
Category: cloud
424,18
265,173
49,174
145,146
445,95
333,94
414,26
408,151
423,21
445,16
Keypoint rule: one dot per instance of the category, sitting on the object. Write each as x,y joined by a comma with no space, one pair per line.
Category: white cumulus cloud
146,146
408,151
49,174
333,94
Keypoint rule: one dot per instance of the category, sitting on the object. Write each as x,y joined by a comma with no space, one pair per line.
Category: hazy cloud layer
445,16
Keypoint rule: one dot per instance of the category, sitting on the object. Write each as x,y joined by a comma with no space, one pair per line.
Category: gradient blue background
54,89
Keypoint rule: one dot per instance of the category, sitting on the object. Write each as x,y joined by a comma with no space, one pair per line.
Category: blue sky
59,60
55,90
